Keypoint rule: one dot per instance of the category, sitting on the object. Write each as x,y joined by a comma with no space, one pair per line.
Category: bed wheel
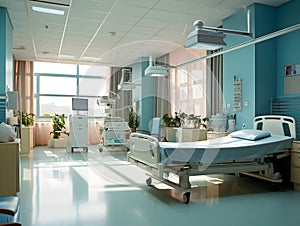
100,149
186,197
149,181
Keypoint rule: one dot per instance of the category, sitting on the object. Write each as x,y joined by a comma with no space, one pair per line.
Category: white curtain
42,131
188,82
23,83
162,90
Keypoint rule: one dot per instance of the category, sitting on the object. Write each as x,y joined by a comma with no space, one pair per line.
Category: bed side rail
145,149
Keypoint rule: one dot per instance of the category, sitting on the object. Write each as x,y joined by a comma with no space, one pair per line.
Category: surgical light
156,70
212,38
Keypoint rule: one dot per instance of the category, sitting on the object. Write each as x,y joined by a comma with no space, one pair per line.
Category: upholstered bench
9,209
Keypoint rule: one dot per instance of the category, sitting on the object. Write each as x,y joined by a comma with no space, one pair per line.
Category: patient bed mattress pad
223,149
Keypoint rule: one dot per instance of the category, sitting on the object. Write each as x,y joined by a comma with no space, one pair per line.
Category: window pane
197,91
55,68
57,85
63,105
183,93
58,105
95,109
92,87
182,76
92,70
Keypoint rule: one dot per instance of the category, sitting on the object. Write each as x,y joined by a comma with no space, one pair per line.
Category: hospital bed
217,156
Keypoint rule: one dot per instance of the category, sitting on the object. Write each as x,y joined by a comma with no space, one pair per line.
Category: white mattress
224,149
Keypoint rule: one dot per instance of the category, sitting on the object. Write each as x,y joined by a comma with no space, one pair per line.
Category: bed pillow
7,133
250,134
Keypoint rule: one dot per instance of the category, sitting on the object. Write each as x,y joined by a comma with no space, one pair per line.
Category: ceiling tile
137,23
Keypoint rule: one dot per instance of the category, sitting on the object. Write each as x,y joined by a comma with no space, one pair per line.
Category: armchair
156,125
9,210
11,224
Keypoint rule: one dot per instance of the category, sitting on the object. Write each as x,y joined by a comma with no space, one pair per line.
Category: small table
212,134
190,134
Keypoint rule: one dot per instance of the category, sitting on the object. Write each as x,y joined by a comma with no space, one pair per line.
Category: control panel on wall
237,93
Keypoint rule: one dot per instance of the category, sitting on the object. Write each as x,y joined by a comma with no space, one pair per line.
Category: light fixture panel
48,10
202,39
156,71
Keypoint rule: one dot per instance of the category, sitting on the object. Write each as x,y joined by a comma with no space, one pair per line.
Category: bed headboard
276,124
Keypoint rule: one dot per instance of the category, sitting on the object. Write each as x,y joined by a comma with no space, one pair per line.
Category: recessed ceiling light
66,57
89,58
48,10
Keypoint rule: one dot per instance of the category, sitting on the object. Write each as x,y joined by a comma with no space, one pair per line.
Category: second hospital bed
217,156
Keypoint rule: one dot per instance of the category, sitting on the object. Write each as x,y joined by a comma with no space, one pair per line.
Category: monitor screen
79,104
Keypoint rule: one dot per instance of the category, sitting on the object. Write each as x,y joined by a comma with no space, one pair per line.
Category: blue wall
6,58
239,63
260,65
144,96
288,45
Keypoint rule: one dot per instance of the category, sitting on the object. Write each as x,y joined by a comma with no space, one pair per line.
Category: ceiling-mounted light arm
230,31
212,38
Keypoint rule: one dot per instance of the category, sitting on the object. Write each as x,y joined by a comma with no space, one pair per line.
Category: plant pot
170,134
57,143
27,139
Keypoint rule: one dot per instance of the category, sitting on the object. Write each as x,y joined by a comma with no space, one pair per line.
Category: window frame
37,93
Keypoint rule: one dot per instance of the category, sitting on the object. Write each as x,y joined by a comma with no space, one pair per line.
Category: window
188,90
57,83
188,82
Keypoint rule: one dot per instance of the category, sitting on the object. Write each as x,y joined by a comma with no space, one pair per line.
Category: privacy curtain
162,91
23,83
214,84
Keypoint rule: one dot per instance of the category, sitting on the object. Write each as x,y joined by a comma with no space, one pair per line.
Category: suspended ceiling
111,32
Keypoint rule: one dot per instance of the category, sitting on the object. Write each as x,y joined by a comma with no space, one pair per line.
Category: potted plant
197,122
27,119
171,122
133,120
26,131
58,124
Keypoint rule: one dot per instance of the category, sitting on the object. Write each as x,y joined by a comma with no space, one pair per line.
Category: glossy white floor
58,188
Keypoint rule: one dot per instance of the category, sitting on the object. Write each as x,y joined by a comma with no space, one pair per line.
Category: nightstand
295,165
190,134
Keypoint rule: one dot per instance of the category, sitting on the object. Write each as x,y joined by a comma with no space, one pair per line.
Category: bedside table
212,134
295,165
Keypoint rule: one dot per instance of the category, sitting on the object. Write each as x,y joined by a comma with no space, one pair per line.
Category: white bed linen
224,149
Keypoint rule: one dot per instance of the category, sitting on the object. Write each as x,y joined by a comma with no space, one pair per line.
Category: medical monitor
80,104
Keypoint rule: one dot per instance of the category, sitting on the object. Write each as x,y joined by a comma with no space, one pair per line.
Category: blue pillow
250,134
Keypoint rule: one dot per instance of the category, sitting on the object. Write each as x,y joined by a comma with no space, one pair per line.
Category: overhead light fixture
126,82
201,38
156,70
48,10
211,38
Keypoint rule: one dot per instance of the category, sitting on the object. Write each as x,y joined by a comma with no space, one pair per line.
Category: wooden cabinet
9,168
295,165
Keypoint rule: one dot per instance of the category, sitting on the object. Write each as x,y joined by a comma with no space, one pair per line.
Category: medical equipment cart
78,135
114,131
